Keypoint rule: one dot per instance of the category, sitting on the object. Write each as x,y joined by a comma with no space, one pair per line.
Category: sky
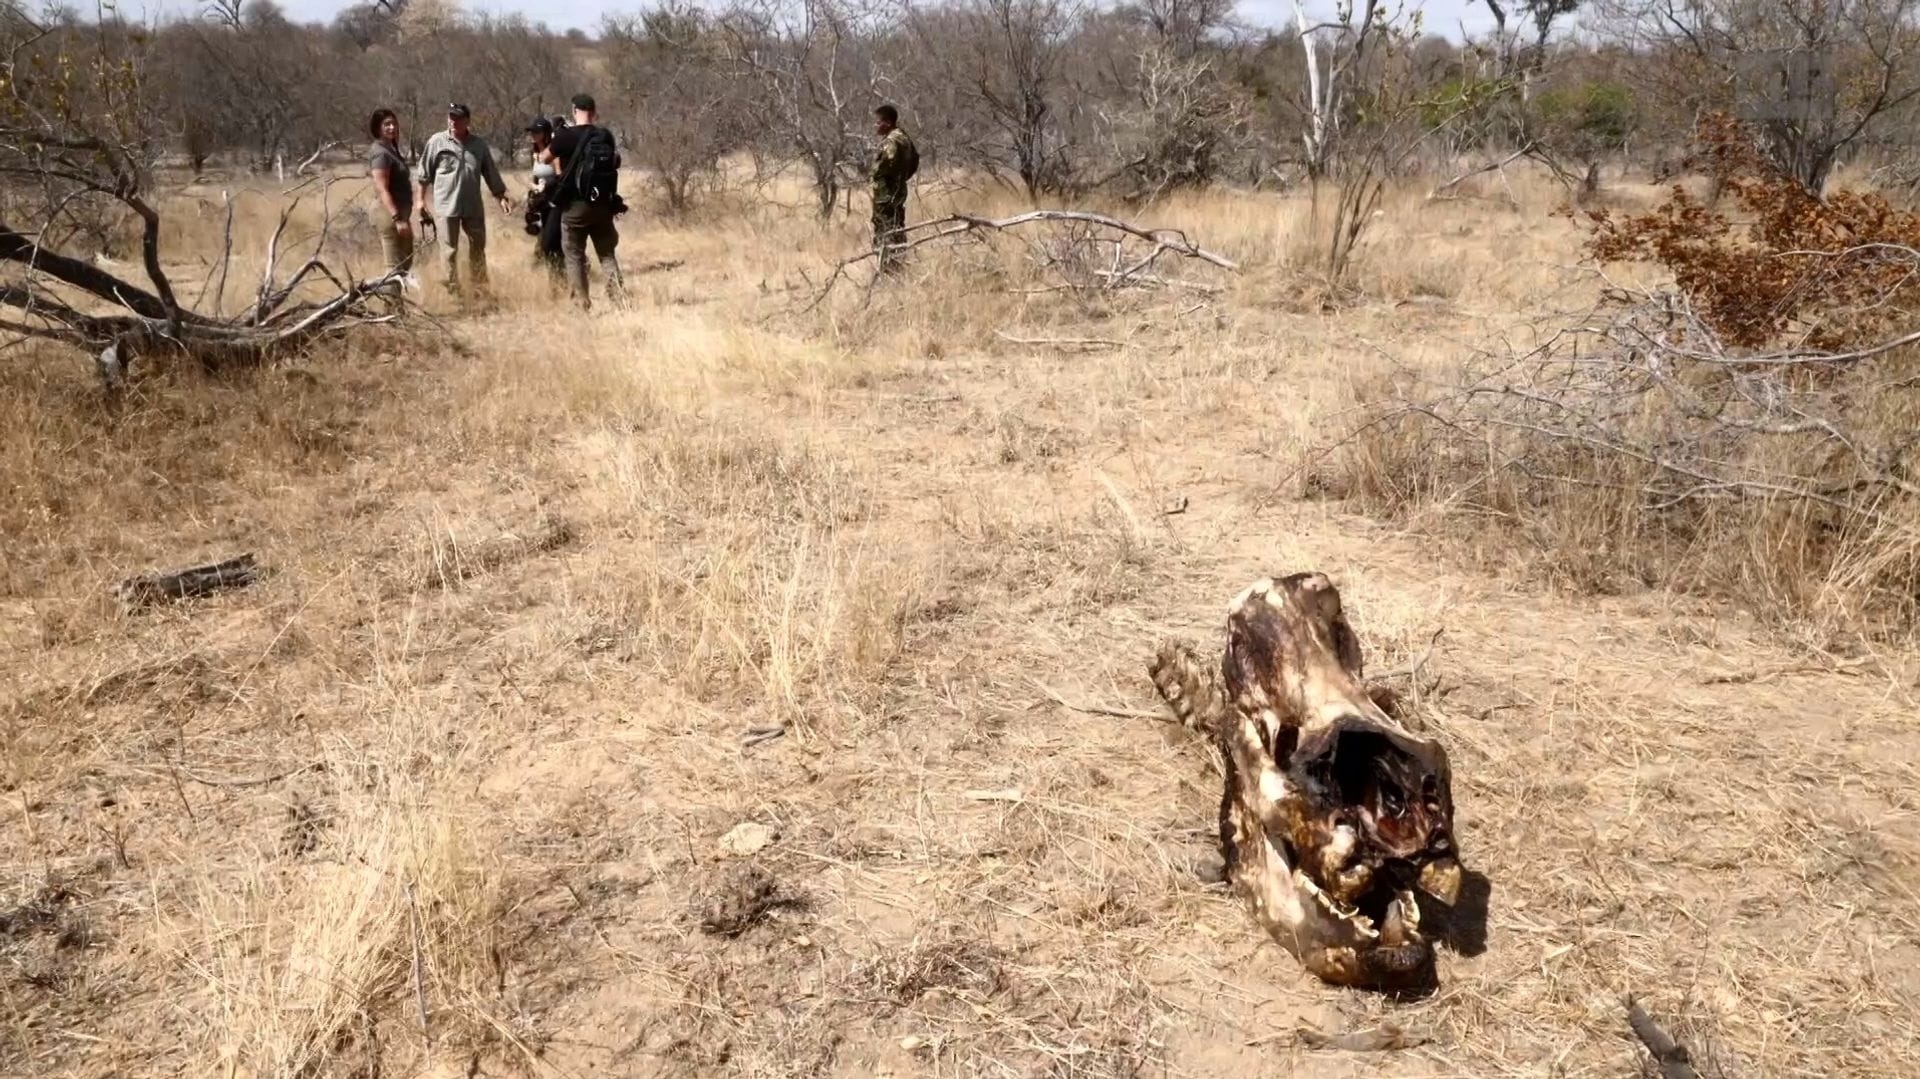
1442,16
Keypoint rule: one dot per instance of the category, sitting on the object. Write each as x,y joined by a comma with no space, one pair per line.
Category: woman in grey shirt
392,186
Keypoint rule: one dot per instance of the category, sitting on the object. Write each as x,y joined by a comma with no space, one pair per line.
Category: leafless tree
1812,77
812,80
509,74
1177,124
1515,18
226,13
670,65
1006,61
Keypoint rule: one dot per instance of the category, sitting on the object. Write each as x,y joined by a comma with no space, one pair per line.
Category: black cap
583,102
541,125
457,109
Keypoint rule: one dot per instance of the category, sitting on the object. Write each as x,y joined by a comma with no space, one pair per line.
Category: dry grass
469,752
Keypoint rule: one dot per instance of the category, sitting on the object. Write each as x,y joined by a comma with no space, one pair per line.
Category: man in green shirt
452,167
894,163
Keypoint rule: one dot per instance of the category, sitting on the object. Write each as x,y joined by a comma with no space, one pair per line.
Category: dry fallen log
145,591
1672,1057
452,564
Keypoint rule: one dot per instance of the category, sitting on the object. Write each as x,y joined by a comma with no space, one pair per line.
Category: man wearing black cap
589,197
452,167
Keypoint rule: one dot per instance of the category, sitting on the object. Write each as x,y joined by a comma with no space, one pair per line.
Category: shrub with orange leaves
1799,270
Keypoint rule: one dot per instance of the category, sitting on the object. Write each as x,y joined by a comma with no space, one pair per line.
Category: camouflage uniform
892,166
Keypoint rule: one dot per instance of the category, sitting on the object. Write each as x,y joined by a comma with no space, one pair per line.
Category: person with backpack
588,196
894,163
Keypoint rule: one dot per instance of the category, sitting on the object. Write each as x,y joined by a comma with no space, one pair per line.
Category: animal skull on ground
1333,815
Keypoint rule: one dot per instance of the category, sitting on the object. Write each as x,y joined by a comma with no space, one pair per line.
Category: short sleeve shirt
399,185
566,143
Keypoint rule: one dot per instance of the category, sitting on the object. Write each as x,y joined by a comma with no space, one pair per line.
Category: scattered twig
449,567
419,966
1061,342
655,266
255,781
1848,667
1384,1038
1101,710
754,737
1672,1057
1411,670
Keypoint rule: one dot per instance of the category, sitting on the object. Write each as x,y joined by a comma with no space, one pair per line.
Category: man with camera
543,217
588,196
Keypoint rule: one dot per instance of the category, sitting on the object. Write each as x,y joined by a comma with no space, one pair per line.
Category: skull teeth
1350,915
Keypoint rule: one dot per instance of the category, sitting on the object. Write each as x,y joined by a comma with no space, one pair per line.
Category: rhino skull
1334,818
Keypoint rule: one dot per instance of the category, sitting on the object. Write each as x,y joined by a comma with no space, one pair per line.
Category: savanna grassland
459,788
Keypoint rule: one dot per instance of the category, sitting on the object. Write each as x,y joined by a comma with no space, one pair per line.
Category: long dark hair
380,117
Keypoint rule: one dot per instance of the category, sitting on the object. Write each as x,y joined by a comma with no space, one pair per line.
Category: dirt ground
477,781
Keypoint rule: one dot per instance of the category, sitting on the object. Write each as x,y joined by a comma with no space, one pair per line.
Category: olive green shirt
451,171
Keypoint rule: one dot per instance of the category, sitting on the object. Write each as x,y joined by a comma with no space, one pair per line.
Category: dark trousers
546,247
889,218
579,223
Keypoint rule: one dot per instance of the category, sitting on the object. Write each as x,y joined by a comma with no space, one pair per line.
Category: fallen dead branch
1100,709
234,783
190,583
1413,669
1641,421
101,158
451,565
1497,166
1061,342
754,737
1769,674
1097,251
1672,1057
1386,1037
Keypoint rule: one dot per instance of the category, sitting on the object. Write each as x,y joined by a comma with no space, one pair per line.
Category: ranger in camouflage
894,163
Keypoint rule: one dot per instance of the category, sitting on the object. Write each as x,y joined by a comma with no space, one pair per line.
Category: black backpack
913,161
593,174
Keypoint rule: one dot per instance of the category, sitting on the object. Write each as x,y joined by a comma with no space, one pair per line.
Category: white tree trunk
1319,97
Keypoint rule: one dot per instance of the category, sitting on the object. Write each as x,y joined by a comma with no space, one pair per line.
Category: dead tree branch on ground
88,138
1090,235
188,583
1672,1057
1645,400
